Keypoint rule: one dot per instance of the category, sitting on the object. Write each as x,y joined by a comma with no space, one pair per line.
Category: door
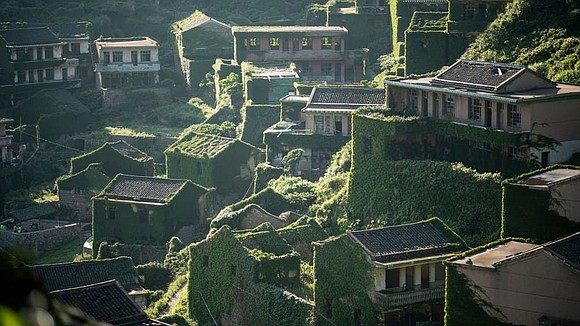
545,159
64,73
488,114
499,115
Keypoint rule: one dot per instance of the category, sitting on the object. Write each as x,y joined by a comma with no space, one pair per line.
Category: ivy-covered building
237,278
323,126
516,283
76,190
114,158
542,205
387,276
32,59
145,210
267,83
319,52
213,161
200,40
491,116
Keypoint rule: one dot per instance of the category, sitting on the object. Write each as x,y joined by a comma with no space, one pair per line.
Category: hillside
544,35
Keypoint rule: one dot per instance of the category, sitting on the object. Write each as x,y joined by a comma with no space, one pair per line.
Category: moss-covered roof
91,176
265,239
201,145
34,212
194,20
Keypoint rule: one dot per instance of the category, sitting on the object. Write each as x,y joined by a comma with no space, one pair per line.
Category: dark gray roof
402,242
74,30
128,150
140,187
348,95
29,36
485,74
105,302
69,275
567,249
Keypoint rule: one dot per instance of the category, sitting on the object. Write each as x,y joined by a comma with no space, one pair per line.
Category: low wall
136,97
40,241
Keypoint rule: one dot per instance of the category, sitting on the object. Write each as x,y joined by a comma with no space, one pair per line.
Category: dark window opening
143,215
205,259
328,311
110,212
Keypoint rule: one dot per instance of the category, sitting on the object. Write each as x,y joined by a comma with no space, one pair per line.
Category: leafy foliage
153,276
542,35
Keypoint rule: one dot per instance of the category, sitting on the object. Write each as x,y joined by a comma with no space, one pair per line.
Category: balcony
37,64
29,88
400,299
306,55
127,67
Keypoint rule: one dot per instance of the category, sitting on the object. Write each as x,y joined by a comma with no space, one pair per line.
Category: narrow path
173,301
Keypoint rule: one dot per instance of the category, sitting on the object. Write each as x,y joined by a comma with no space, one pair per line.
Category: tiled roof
34,212
402,242
309,30
125,149
486,76
105,302
141,187
194,20
567,249
69,275
29,36
201,145
74,30
357,96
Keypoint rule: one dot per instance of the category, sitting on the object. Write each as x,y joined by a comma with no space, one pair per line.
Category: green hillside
544,35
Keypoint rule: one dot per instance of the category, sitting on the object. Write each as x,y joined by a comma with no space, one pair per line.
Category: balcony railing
391,300
306,55
127,67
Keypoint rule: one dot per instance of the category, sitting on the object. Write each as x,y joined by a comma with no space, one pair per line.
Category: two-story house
499,108
77,39
390,275
325,119
32,59
130,62
9,164
319,52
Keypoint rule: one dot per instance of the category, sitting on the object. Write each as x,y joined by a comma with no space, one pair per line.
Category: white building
127,62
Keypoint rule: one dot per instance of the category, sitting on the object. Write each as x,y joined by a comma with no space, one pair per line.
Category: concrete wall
529,288
567,196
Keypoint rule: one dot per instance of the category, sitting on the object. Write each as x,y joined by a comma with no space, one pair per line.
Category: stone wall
78,202
40,241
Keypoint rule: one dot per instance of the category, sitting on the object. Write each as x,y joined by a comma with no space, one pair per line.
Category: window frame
145,55
514,116
474,110
274,43
117,56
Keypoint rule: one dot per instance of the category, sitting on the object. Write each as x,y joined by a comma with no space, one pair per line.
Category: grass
64,254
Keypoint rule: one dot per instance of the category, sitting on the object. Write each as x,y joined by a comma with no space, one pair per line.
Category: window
413,99
39,52
306,68
448,105
134,57
48,53
233,270
474,112
253,43
40,73
110,213
326,69
31,76
514,116
21,55
275,43
321,124
425,108
143,215
326,44
75,48
106,57
368,145
469,11
145,56
306,43
21,77
117,56
49,74
205,259
435,104
64,73
328,310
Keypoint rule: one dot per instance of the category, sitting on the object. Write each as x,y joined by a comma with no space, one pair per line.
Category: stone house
32,59
267,83
325,118
386,275
213,161
144,210
319,52
115,157
57,277
498,116
76,190
517,283
200,40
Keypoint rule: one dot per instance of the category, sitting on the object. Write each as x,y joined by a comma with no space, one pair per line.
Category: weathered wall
40,241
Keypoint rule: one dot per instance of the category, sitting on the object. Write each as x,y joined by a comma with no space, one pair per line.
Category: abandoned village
350,162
